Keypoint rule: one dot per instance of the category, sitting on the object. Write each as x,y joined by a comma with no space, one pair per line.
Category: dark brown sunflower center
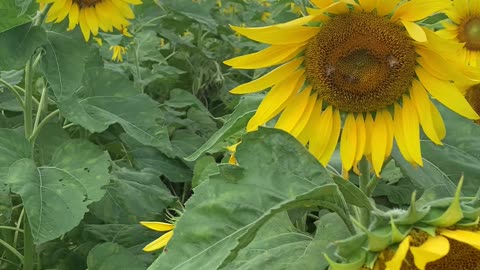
359,62
469,32
473,97
87,3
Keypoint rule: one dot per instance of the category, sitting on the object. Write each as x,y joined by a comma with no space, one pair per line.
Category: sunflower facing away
92,15
464,27
442,234
369,62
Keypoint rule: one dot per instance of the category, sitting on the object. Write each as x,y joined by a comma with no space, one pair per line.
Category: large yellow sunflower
368,61
464,27
92,15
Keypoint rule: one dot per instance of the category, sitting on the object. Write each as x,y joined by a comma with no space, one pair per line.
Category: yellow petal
268,79
411,130
159,242
348,142
379,143
368,133
361,137
416,10
278,36
64,11
83,25
158,226
400,135
320,127
433,249
389,123
467,237
73,16
302,122
333,140
124,9
431,123
396,262
384,7
92,20
415,31
276,99
294,110
268,57
368,5
54,10
446,93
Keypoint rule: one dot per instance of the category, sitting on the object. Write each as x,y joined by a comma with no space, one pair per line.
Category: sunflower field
240,134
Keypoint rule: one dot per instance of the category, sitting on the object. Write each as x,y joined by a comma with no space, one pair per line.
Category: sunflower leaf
226,211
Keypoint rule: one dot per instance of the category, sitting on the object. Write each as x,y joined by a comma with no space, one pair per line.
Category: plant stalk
364,179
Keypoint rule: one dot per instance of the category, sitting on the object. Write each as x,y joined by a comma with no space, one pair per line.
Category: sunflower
366,66
162,241
464,27
442,234
92,15
118,52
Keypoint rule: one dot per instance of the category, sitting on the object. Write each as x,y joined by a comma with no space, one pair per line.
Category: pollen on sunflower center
86,3
359,62
469,32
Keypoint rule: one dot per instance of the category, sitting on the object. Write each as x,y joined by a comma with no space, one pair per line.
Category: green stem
10,228
28,99
29,247
12,250
371,186
42,104
364,179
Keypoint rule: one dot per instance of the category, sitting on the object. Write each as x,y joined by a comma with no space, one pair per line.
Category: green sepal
414,213
468,223
371,259
430,230
397,235
351,245
355,265
378,239
453,214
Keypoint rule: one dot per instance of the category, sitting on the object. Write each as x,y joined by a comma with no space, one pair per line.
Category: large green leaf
132,197
288,249
14,15
13,147
276,173
19,44
55,196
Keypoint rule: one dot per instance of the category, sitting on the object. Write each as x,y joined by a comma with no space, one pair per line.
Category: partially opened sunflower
442,234
464,26
366,66
92,15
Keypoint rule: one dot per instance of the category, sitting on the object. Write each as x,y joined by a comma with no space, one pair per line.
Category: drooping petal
332,142
158,226
268,79
83,25
73,16
389,123
368,133
379,143
400,135
320,129
411,130
294,110
396,262
361,137
276,99
159,243
302,122
268,57
446,93
433,249
348,142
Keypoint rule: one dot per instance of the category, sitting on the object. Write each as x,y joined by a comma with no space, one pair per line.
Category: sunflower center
473,97
86,3
469,32
360,62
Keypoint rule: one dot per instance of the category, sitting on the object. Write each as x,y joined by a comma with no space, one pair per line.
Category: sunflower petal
333,140
433,249
467,237
158,226
400,135
411,130
379,142
320,129
273,55
294,110
446,93
361,137
416,10
301,124
268,79
415,31
278,36
159,243
396,262
348,142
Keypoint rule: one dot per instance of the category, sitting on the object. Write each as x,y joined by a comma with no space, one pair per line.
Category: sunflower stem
364,179
29,247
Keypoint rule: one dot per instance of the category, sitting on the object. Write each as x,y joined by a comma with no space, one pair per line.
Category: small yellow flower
162,241
266,16
118,52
